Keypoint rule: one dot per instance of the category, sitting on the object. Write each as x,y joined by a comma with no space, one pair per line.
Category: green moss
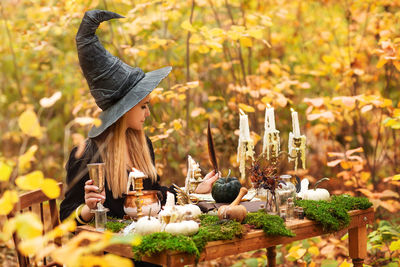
333,214
158,242
212,229
114,225
271,224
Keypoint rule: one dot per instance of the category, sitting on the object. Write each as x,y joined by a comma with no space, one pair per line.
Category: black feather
211,150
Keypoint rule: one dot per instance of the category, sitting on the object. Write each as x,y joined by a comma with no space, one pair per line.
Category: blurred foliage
336,62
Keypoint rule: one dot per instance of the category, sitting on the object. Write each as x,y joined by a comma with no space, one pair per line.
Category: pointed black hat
115,86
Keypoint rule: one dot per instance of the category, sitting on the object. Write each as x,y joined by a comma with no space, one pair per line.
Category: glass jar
290,209
271,203
285,190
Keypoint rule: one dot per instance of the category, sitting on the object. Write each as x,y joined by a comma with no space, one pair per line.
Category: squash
184,228
226,189
147,225
313,194
234,211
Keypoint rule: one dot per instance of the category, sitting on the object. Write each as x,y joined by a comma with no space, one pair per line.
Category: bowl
150,201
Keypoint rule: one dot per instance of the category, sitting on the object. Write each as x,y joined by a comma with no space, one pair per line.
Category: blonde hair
116,138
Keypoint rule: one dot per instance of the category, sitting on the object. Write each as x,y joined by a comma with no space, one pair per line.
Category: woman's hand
208,181
91,195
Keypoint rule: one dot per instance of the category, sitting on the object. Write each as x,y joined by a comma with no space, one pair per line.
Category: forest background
336,62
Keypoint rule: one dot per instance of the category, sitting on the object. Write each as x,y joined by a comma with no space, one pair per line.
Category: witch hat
115,86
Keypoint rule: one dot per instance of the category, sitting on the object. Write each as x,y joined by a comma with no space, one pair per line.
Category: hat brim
143,88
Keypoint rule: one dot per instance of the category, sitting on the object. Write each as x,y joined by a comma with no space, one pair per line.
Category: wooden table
256,239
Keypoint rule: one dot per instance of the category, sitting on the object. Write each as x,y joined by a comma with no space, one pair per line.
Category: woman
122,92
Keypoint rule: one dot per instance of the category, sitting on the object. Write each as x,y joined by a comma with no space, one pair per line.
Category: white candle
244,127
272,119
295,124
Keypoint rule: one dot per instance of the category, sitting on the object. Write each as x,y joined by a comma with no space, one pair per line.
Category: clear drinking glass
286,190
97,175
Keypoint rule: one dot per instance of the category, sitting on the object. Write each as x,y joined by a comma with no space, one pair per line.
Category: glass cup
100,219
97,175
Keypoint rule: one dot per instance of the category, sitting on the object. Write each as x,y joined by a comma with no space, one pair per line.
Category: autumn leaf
48,102
29,124
246,108
5,171
186,25
50,188
7,201
30,181
24,161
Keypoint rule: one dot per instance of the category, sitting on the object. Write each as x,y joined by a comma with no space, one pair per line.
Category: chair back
36,201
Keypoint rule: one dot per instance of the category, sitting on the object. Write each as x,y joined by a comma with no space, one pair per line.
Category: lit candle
295,124
244,127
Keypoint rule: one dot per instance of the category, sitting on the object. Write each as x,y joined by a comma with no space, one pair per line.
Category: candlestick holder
139,201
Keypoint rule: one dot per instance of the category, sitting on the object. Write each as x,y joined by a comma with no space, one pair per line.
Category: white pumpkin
184,228
313,194
316,194
147,225
194,210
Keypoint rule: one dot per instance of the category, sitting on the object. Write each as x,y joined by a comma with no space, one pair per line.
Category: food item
313,194
226,189
234,211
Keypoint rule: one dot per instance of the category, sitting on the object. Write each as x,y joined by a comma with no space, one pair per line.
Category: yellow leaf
31,181
246,108
382,61
203,49
7,201
188,26
345,264
256,33
50,188
195,39
217,32
29,124
24,161
313,250
246,41
177,125
5,172
28,230
396,64
395,245
396,177
114,260
365,176
233,35
346,164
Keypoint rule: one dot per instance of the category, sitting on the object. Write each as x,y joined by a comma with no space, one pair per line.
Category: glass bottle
285,190
290,209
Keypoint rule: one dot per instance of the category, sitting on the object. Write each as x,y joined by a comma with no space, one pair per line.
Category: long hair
116,140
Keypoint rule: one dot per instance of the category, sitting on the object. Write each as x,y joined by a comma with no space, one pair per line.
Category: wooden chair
35,201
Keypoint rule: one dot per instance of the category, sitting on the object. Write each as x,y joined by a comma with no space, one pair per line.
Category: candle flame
292,110
241,111
268,105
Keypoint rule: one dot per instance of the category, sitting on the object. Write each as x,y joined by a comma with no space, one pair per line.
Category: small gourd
234,211
147,225
313,194
194,210
184,228
226,189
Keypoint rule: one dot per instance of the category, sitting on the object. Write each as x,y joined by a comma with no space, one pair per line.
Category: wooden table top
252,240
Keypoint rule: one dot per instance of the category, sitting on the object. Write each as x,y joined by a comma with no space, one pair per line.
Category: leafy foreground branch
333,214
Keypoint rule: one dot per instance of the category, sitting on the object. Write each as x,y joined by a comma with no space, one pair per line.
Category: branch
188,68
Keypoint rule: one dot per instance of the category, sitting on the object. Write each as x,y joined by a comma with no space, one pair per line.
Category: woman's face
136,116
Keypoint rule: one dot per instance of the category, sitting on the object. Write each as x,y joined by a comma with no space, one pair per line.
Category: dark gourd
226,189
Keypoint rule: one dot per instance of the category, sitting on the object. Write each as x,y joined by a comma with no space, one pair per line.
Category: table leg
358,245
271,256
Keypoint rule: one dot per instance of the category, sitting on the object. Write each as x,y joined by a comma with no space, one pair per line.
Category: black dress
77,175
